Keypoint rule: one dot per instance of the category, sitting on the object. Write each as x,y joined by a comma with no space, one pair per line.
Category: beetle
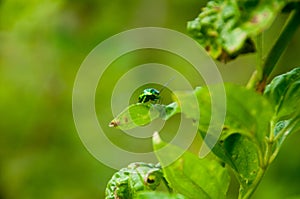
149,94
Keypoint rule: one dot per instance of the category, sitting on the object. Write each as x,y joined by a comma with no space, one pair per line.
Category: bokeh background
42,45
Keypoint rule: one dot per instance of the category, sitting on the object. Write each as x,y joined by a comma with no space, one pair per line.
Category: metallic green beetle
149,94
136,177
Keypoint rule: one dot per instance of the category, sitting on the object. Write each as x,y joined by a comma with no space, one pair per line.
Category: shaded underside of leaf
243,154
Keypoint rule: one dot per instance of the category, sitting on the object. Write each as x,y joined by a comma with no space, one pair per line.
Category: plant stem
254,186
257,75
260,174
246,194
278,48
253,80
260,60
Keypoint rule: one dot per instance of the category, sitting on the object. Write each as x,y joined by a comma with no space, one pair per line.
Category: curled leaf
225,28
137,177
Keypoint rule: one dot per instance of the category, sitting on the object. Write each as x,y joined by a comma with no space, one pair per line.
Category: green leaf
138,176
158,195
224,28
135,115
247,112
142,114
189,175
284,93
241,154
169,111
243,138
188,103
247,123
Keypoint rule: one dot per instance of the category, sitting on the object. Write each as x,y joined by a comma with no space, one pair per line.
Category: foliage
252,134
283,93
42,46
137,177
256,122
189,175
225,28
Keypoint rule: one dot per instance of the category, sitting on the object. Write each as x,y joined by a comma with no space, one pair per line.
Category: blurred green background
43,43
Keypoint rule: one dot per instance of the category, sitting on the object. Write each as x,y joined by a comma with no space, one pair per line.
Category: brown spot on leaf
255,19
207,48
225,128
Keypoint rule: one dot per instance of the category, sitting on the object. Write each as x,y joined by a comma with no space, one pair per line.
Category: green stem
246,194
249,192
253,80
259,80
260,60
257,75
278,48
274,154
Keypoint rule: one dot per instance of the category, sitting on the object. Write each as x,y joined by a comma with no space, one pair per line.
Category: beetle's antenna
166,84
